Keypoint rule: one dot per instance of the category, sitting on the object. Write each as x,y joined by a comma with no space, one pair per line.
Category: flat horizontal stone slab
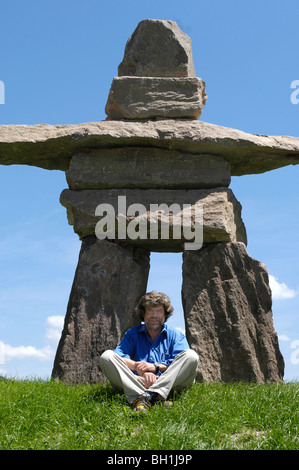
138,167
147,98
52,146
221,214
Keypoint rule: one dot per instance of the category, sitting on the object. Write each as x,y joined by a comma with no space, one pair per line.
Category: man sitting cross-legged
152,358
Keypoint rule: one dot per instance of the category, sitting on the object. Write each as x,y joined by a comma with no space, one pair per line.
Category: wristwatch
157,365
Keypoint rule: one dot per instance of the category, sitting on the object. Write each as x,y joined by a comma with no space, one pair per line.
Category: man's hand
147,371
143,366
149,379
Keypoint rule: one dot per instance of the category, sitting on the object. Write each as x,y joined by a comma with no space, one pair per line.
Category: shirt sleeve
126,346
178,343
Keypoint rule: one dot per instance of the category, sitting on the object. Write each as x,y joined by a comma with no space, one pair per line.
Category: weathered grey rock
108,284
158,48
221,214
52,146
227,307
135,167
148,98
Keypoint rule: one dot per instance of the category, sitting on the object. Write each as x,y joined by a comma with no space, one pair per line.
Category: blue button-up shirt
137,345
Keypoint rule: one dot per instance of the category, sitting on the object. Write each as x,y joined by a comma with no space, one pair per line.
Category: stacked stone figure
153,165
226,295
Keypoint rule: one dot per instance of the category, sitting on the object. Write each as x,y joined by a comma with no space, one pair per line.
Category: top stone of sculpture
158,48
156,78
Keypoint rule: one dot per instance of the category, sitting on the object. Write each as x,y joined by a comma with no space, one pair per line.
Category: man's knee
192,356
106,357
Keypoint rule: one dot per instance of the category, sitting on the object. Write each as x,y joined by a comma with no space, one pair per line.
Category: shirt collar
142,328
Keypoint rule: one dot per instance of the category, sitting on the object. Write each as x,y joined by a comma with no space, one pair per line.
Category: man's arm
130,363
142,366
147,370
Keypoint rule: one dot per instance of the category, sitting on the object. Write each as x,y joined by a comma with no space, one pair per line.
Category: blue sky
57,62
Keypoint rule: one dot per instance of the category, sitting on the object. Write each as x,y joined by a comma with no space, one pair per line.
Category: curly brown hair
152,299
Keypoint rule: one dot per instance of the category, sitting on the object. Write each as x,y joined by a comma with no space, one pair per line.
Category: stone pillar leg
109,281
227,306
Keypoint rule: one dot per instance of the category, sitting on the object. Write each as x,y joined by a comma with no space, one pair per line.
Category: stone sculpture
153,150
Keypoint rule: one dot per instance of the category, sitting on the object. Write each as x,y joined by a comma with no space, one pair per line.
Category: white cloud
53,333
182,330
280,290
54,327
24,352
283,338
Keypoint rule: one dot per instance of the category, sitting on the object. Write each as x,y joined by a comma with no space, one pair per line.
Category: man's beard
154,326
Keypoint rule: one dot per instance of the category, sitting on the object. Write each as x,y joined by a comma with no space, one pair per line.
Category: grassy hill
38,414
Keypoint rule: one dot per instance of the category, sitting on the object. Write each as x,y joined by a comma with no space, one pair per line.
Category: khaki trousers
180,374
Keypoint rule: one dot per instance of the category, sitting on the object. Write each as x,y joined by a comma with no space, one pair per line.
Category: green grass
38,414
